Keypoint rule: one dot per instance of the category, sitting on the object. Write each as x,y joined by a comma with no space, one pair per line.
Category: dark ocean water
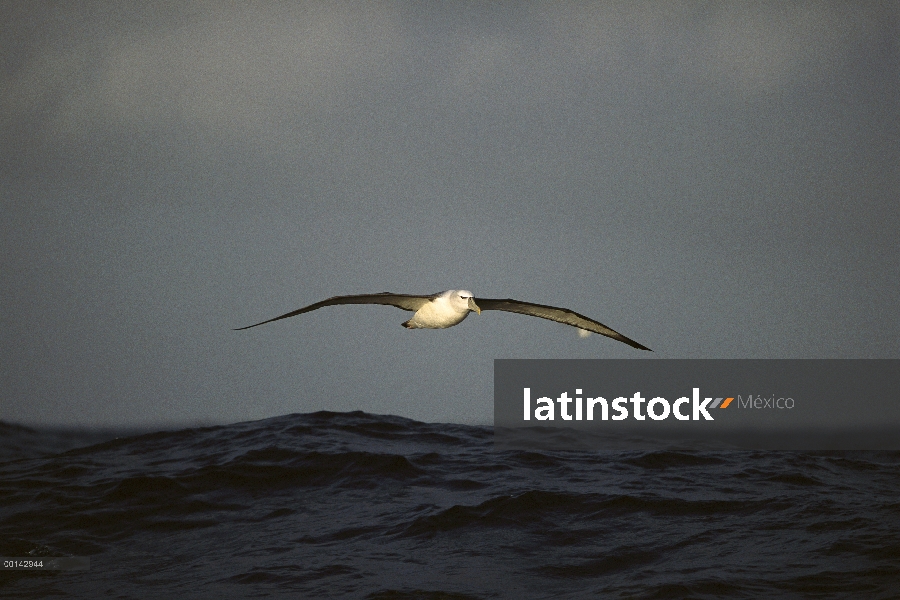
353,505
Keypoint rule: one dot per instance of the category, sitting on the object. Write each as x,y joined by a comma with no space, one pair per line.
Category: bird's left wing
404,301
554,313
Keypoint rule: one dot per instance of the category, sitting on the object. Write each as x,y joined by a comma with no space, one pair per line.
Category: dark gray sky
715,180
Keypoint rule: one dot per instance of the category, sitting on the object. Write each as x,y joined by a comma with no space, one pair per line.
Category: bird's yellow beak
473,306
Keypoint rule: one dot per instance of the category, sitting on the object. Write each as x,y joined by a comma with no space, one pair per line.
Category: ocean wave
367,506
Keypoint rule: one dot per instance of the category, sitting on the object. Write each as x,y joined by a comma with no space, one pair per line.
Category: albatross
449,308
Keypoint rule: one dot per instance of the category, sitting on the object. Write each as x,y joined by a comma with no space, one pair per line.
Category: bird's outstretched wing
554,313
404,301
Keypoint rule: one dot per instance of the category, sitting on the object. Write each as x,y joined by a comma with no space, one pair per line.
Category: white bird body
449,308
445,310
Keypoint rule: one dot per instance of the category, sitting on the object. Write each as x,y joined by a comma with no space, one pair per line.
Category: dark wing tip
634,344
626,340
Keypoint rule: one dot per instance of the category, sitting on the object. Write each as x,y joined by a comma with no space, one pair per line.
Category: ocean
355,505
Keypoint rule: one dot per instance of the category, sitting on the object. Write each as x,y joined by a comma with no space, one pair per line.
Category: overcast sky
713,180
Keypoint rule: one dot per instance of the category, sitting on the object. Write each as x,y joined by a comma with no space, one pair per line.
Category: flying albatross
446,309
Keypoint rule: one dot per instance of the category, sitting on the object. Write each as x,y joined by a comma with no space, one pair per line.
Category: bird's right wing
404,301
554,313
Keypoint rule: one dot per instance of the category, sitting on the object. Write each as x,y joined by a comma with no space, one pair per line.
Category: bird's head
464,300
